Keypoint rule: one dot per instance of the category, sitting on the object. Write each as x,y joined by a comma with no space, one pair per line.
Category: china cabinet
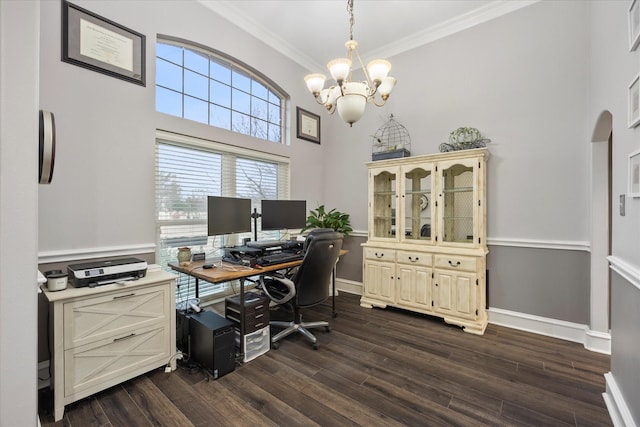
426,248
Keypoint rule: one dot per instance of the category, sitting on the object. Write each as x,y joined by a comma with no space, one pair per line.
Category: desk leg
242,322
333,293
197,288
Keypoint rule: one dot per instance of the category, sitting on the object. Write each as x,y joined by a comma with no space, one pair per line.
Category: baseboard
349,286
617,407
561,329
600,342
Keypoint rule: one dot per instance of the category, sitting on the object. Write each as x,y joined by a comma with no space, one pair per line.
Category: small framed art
634,25
308,125
96,43
634,103
634,174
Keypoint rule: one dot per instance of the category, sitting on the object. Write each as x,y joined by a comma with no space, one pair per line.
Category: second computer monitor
283,214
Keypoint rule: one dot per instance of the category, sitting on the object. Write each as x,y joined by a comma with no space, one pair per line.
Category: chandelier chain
351,18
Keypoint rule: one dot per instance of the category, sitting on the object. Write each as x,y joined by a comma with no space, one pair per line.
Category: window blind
190,169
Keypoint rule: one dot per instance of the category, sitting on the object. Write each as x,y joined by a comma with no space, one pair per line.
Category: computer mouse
207,266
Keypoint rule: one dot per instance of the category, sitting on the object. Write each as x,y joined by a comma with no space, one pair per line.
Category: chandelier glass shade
350,97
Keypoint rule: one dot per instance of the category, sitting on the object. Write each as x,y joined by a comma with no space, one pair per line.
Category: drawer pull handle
124,296
414,260
379,256
457,264
124,338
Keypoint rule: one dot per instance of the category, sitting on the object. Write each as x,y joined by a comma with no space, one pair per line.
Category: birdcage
391,141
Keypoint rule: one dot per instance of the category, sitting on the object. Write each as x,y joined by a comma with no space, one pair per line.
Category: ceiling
312,32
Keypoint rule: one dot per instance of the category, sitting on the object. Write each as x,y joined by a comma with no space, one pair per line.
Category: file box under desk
257,339
256,311
255,344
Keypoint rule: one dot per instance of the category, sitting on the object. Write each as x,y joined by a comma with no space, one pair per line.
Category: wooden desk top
229,272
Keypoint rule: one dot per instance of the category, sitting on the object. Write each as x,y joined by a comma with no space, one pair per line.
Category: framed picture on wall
634,174
634,25
308,126
634,102
96,43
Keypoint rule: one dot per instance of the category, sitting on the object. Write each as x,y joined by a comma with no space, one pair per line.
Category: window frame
234,66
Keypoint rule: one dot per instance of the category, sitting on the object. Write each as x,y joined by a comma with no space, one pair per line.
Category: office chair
308,285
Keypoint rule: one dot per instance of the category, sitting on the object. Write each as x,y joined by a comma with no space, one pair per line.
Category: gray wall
625,363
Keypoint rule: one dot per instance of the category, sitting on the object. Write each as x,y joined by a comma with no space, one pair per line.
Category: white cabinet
426,248
106,335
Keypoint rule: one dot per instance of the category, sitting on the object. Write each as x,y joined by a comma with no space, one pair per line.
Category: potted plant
320,218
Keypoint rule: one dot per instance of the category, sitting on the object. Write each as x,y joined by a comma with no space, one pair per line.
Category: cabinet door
460,204
456,294
383,195
418,206
414,286
379,280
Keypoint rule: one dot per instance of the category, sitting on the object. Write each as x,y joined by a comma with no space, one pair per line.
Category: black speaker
212,342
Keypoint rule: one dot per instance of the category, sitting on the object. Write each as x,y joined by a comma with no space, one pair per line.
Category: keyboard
278,258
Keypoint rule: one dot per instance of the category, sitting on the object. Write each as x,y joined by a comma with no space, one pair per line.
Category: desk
237,272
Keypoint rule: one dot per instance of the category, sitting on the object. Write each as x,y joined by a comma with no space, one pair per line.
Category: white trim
103,252
629,272
232,13
348,286
168,137
596,341
568,245
485,13
568,331
617,407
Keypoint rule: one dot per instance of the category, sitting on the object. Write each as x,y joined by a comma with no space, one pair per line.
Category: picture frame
634,174
308,125
633,118
99,44
634,25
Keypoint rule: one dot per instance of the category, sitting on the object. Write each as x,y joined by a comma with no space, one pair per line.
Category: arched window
209,87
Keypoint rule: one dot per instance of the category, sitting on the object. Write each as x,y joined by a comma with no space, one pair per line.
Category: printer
104,272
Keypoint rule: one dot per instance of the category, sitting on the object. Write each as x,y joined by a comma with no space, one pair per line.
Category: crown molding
227,10
454,25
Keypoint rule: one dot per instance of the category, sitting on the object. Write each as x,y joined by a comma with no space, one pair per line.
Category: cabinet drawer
456,262
414,258
113,360
380,254
97,318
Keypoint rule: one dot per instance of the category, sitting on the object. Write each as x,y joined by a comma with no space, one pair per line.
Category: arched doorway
598,336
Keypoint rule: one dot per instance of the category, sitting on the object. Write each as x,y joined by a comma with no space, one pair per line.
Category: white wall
611,68
18,216
521,79
103,193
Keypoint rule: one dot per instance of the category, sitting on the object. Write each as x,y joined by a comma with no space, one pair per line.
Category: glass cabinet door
383,204
459,205
418,204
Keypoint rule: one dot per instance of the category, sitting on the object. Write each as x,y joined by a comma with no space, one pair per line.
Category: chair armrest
288,283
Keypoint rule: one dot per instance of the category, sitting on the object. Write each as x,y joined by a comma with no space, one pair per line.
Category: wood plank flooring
375,368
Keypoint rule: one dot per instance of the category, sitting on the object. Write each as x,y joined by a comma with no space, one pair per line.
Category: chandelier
351,97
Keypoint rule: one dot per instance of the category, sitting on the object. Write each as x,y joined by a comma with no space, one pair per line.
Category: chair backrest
312,279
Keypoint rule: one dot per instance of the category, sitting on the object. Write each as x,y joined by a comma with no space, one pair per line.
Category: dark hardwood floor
375,368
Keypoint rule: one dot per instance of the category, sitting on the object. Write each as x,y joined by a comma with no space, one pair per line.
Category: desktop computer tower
212,342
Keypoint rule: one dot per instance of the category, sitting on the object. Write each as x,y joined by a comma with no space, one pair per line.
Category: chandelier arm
364,69
373,99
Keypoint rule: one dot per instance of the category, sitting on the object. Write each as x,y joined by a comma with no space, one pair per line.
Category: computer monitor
283,214
226,215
